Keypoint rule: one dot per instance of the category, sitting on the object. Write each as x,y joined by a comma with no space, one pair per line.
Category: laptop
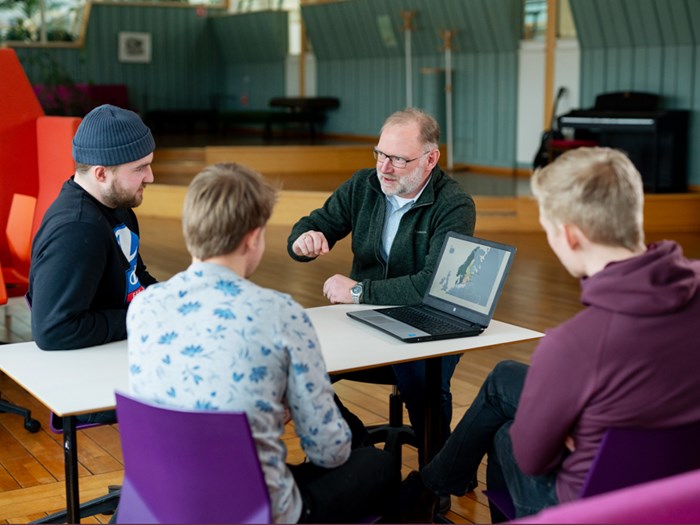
460,299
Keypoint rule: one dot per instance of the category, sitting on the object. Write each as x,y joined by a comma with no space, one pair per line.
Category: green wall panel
251,85
248,37
347,41
190,67
374,28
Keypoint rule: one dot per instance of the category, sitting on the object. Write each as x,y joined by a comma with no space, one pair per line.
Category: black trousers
365,485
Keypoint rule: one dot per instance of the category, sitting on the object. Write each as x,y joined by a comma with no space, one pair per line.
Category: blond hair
597,189
429,128
222,204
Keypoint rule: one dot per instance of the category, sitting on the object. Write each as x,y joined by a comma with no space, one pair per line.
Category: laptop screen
469,275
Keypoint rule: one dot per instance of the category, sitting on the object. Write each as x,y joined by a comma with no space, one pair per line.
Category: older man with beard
85,265
398,214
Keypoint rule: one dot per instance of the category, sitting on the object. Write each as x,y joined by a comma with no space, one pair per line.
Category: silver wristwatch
356,292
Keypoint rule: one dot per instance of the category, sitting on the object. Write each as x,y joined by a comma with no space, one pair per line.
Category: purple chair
183,466
628,457
675,499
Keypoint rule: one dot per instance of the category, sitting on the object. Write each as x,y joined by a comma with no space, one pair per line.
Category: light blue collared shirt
396,208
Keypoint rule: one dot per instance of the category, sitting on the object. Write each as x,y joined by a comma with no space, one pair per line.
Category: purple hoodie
630,359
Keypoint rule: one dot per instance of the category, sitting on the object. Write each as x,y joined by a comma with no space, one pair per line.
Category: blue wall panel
368,76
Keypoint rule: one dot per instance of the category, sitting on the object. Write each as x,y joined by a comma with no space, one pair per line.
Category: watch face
357,289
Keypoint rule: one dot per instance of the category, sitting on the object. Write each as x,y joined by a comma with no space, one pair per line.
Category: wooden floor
538,294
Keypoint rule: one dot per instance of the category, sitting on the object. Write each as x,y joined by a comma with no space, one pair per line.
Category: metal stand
447,35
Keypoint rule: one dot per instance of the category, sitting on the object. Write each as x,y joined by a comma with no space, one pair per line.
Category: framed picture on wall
134,47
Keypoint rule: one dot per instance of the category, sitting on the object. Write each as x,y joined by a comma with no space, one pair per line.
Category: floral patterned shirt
208,339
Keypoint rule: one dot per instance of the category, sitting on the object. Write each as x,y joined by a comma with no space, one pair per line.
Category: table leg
433,438
70,456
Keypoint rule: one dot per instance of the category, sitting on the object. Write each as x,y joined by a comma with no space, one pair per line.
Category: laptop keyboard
424,321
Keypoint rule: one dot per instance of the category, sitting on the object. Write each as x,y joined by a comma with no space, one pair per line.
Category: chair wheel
32,425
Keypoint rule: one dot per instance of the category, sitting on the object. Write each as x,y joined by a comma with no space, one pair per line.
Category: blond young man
629,359
210,339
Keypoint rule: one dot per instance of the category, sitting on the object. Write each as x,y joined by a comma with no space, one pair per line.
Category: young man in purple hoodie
629,359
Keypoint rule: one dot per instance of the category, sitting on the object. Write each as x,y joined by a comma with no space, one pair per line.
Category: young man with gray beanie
85,266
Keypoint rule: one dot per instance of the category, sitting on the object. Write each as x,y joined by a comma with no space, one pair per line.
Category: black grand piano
655,139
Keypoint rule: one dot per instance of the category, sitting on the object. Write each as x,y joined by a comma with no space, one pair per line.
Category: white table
349,345
75,382
69,383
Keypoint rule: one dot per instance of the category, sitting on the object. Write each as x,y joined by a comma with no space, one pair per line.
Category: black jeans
365,485
484,430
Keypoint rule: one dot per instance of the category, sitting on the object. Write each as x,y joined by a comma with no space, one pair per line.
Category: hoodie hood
658,282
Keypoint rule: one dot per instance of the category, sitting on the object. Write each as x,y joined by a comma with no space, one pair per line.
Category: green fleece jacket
358,206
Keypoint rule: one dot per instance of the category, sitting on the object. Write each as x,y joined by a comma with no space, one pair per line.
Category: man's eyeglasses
397,162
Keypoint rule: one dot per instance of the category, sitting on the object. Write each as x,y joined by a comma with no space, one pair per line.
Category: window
55,21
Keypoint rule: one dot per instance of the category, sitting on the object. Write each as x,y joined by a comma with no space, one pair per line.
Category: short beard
116,198
408,180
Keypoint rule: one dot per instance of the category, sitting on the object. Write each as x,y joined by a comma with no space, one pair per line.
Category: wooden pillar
550,62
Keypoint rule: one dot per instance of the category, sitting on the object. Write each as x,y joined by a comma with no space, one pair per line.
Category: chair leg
106,504
31,425
395,434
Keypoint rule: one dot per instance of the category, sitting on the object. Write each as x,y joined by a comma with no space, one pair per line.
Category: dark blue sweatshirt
84,272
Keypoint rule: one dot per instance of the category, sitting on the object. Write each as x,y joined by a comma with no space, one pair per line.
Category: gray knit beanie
110,136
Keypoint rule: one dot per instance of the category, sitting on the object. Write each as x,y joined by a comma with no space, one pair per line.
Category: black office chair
393,434
30,424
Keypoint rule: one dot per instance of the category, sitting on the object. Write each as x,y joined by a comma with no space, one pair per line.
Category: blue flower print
306,318
258,374
203,405
192,350
307,442
182,293
166,359
193,374
216,332
263,406
228,288
188,308
167,338
135,369
171,392
309,387
265,351
328,416
224,313
237,377
300,368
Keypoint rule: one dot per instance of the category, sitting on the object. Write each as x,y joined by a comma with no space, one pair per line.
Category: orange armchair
35,160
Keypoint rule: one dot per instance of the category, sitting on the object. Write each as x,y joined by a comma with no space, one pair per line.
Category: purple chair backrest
183,466
668,500
629,456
